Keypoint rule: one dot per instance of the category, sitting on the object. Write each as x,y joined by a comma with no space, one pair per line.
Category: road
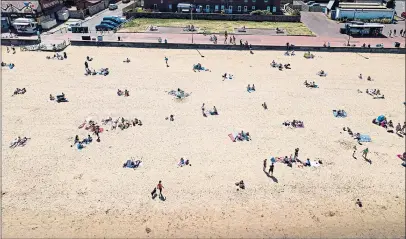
92,21
320,25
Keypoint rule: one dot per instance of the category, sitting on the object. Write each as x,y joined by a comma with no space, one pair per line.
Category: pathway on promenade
252,39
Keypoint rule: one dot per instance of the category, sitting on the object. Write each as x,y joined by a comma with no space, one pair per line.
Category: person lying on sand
15,142
286,123
265,106
287,66
23,141
379,97
119,92
280,67
240,184
274,64
398,128
127,60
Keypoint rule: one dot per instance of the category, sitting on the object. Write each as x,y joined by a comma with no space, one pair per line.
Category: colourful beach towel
314,164
277,159
365,138
400,156
231,137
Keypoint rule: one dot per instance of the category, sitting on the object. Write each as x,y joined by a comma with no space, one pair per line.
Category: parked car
125,1
109,23
76,24
113,6
314,4
310,2
104,27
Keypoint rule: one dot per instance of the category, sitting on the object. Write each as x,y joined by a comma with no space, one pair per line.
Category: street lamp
191,19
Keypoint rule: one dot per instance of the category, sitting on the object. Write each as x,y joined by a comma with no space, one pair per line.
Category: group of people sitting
211,112
80,144
250,89
170,118
58,56
11,65
19,142
308,55
131,164
240,184
290,54
368,78
103,71
125,124
227,76
199,67
388,125
280,66
339,113
59,98
310,84
242,136
126,93
375,93
19,91
321,73
294,123
189,28
183,162
179,94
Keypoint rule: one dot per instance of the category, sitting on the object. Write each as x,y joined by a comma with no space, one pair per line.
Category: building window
207,8
253,8
245,8
155,6
239,8
254,0
222,7
170,6
268,8
216,8
230,9
273,9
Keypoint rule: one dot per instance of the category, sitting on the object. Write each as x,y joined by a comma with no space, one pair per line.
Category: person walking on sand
166,61
160,187
365,153
271,167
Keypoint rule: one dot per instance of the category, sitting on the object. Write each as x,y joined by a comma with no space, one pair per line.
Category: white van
25,25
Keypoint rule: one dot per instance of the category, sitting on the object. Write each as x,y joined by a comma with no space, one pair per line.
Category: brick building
216,6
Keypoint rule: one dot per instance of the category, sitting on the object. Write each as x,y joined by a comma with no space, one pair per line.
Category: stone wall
213,16
18,42
235,47
96,8
80,14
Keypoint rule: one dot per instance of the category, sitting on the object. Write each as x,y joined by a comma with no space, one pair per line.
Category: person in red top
160,187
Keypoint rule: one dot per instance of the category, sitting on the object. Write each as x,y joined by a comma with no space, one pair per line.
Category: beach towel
277,159
231,137
82,125
401,157
341,116
365,138
314,164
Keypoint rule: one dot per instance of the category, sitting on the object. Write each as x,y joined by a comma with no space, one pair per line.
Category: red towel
231,137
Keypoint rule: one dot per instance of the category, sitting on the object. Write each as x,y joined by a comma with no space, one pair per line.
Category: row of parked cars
110,23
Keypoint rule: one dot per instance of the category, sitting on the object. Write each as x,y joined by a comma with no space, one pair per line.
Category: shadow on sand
275,180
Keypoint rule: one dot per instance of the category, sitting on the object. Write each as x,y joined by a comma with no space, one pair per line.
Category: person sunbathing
16,142
286,123
390,124
127,60
306,83
214,112
119,92
274,64
307,163
280,67
253,87
265,106
398,128
287,66
360,76
369,78
126,93
23,141
224,76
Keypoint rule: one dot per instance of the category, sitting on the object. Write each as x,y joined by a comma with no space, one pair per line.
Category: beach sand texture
51,189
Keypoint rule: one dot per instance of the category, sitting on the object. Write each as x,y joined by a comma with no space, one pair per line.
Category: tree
391,4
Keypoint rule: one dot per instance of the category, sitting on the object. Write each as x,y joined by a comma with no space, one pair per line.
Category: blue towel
365,138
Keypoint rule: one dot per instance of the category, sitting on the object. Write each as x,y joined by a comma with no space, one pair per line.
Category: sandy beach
53,190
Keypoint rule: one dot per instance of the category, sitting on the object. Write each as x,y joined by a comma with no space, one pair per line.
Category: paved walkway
252,39
320,25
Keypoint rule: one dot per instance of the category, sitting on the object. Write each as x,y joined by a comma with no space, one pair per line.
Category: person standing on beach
264,164
365,153
355,150
394,32
271,167
166,61
296,153
160,187
86,65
